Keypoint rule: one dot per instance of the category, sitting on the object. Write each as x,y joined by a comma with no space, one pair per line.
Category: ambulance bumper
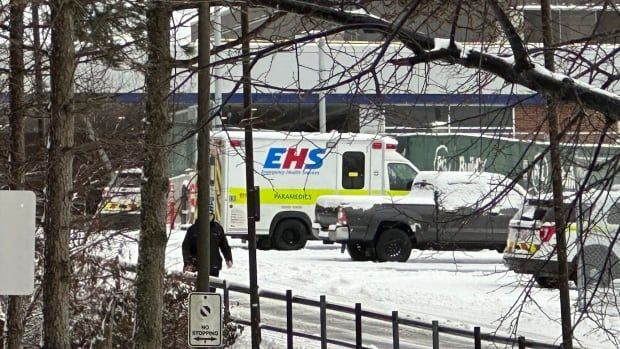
334,233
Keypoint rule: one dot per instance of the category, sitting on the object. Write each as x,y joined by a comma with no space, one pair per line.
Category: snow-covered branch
424,47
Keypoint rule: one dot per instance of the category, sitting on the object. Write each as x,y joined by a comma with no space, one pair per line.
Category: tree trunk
152,247
57,274
17,157
556,181
39,99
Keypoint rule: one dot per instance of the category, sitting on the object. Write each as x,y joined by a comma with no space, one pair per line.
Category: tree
57,274
150,274
17,153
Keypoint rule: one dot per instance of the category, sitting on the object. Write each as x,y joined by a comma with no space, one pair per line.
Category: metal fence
393,320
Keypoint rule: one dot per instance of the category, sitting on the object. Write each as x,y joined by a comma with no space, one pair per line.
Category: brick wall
530,123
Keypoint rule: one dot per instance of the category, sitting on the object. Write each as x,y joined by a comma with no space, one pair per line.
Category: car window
132,180
400,176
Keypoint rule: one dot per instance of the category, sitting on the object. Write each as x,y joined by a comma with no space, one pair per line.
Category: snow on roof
314,136
460,189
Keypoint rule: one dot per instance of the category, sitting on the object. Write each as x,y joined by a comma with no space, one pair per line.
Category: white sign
17,227
205,319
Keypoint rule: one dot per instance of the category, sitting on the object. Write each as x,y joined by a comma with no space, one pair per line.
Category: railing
434,328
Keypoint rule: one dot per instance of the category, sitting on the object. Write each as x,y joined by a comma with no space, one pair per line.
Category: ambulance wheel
290,234
394,245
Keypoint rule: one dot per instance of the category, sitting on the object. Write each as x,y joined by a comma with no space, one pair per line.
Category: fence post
477,338
226,300
323,315
521,342
358,325
435,334
289,319
395,333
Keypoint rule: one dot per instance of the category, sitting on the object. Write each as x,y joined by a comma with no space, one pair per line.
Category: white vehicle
531,243
292,170
122,195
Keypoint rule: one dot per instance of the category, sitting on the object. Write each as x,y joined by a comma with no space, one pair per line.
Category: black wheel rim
290,237
393,249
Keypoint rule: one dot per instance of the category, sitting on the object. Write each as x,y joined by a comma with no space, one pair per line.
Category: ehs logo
294,158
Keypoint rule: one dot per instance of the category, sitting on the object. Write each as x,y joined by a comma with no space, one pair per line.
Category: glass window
353,164
614,214
608,22
401,176
480,117
416,117
133,180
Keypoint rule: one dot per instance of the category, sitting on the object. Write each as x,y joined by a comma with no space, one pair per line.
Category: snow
562,78
363,12
459,289
440,43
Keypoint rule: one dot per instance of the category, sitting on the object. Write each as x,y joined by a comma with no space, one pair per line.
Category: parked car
593,223
121,201
444,210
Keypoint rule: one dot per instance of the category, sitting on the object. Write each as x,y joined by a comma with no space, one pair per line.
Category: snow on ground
460,289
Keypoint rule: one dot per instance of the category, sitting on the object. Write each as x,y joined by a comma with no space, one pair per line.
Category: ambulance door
376,161
354,168
236,206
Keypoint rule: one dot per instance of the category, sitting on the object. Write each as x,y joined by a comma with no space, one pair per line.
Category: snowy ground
460,289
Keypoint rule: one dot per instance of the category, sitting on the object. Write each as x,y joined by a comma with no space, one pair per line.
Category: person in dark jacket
218,243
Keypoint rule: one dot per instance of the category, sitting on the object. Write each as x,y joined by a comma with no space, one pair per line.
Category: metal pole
358,325
203,165
395,330
323,316
477,338
435,334
289,319
322,93
249,178
217,70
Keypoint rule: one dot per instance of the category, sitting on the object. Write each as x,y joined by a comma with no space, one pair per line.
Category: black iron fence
393,320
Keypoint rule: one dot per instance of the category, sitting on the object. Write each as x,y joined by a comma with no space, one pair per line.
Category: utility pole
556,181
322,83
203,166
252,194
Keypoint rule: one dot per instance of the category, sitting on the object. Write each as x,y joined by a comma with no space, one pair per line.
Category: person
218,243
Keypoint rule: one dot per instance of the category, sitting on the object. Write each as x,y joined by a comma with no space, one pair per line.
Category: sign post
17,228
205,319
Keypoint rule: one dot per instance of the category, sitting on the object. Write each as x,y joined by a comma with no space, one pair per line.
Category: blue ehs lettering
316,160
272,161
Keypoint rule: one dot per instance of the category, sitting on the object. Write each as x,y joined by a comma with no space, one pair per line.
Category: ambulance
292,169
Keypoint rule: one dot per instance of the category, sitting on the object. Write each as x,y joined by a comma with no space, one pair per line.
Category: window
353,165
480,117
401,176
614,214
570,24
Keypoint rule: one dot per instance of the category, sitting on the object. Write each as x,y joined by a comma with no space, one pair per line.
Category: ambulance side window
401,176
353,165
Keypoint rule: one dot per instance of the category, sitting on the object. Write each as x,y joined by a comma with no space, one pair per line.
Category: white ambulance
292,170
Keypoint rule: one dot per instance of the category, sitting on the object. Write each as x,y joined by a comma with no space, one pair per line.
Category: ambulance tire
290,234
394,245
